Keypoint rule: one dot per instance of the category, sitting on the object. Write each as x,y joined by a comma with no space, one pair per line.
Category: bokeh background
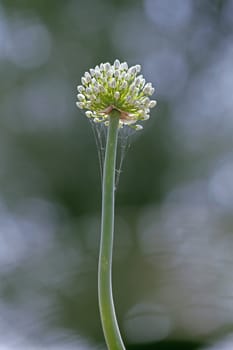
173,279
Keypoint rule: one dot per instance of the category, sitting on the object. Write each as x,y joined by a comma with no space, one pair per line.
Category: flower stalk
118,97
106,304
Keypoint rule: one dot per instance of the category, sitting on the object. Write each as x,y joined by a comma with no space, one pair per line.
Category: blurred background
173,262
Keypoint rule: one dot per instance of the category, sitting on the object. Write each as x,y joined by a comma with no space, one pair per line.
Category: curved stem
106,304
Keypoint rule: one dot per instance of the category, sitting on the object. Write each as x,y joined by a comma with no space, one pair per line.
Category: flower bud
117,64
81,97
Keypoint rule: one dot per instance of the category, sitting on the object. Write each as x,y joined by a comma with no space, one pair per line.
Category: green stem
106,304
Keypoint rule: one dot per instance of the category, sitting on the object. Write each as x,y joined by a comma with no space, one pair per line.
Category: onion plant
118,97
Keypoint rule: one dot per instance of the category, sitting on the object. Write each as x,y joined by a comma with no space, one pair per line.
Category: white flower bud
145,102
152,90
132,87
152,103
83,80
109,73
117,73
81,97
117,64
92,71
89,114
138,81
138,127
89,90
141,112
80,105
97,74
112,83
96,90
87,76
117,95
107,66
132,70
124,66
124,85
147,88
81,88
138,68
122,75
129,99
143,82
127,76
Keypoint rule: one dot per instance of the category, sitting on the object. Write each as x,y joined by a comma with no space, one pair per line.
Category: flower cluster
116,87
